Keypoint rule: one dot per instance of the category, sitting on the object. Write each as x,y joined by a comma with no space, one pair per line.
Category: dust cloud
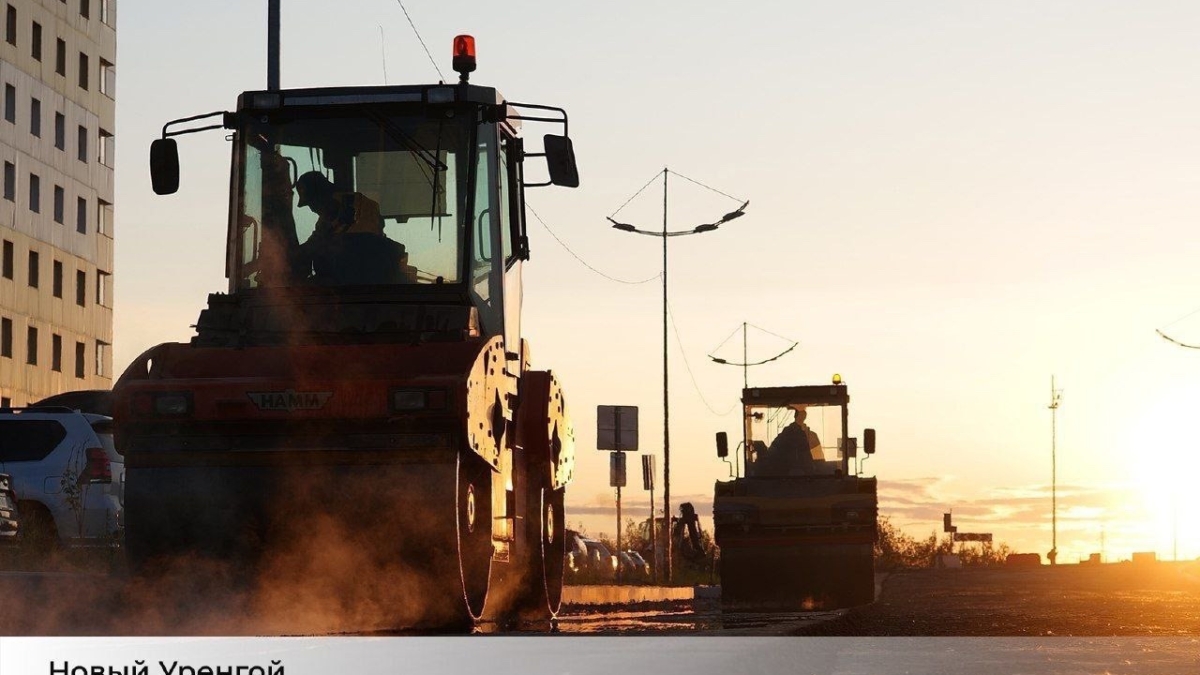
382,561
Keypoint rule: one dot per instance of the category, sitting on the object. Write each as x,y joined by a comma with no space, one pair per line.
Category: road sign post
616,478
616,430
648,471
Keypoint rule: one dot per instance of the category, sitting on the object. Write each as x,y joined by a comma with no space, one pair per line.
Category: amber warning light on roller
464,55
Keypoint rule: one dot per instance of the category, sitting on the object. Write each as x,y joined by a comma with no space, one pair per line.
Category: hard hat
310,185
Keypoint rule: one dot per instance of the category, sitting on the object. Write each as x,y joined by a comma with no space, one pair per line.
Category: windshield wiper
404,138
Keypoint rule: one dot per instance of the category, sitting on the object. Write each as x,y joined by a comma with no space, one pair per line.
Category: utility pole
666,399
273,45
1055,399
664,233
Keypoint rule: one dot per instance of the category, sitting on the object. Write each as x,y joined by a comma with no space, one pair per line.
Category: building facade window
35,117
60,131
31,345
10,181
8,264
81,288
82,140
105,12
56,353
60,57
34,264
80,360
104,217
10,103
83,70
108,79
103,292
60,204
6,330
35,41
58,279
104,152
81,215
85,9
10,25
35,193
101,358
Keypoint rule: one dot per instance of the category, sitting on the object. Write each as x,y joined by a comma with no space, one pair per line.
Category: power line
1185,316
706,187
652,179
788,339
695,385
727,339
581,260
441,78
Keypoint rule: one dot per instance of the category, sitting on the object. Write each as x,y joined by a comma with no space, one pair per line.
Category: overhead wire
727,339
770,333
688,366
640,190
441,77
581,260
706,187
1173,340
793,344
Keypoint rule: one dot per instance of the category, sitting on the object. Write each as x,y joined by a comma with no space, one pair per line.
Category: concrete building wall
57,147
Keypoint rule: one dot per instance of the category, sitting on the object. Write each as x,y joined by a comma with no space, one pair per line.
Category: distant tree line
896,550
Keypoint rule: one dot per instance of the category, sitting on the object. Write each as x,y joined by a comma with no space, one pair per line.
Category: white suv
67,475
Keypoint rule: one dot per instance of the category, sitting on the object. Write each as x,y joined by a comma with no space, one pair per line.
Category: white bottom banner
497,655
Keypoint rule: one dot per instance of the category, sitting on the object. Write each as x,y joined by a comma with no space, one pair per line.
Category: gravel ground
1157,599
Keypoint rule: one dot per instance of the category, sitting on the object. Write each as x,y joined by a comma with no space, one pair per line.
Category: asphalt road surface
1157,600
1153,600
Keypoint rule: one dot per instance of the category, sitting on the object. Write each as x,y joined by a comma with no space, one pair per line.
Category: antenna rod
273,45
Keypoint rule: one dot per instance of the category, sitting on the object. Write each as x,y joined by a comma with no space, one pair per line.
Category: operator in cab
796,451
347,245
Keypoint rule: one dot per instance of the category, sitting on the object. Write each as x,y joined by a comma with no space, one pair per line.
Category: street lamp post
664,234
1055,400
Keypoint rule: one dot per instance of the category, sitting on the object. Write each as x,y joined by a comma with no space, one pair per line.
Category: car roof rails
40,409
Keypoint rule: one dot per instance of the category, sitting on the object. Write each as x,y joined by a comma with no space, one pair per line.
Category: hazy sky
949,202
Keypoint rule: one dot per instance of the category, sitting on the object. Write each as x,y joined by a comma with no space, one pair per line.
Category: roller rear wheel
554,547
473,511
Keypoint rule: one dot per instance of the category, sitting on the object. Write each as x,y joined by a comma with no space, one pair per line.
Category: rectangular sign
617,428
648,471
616,470
973,536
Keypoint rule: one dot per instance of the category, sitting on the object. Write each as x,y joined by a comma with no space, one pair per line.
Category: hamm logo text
290,400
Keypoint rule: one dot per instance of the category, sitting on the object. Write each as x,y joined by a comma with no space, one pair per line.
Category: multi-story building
57,70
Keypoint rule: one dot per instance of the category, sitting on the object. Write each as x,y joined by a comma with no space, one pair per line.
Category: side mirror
722,444
560,160
869,441
164,166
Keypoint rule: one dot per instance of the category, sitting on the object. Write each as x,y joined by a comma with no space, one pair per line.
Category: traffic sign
617,428
616,470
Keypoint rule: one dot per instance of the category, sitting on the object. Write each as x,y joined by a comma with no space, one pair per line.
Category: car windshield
793,440
366,196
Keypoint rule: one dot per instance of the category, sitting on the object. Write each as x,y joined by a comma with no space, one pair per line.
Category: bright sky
949,202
